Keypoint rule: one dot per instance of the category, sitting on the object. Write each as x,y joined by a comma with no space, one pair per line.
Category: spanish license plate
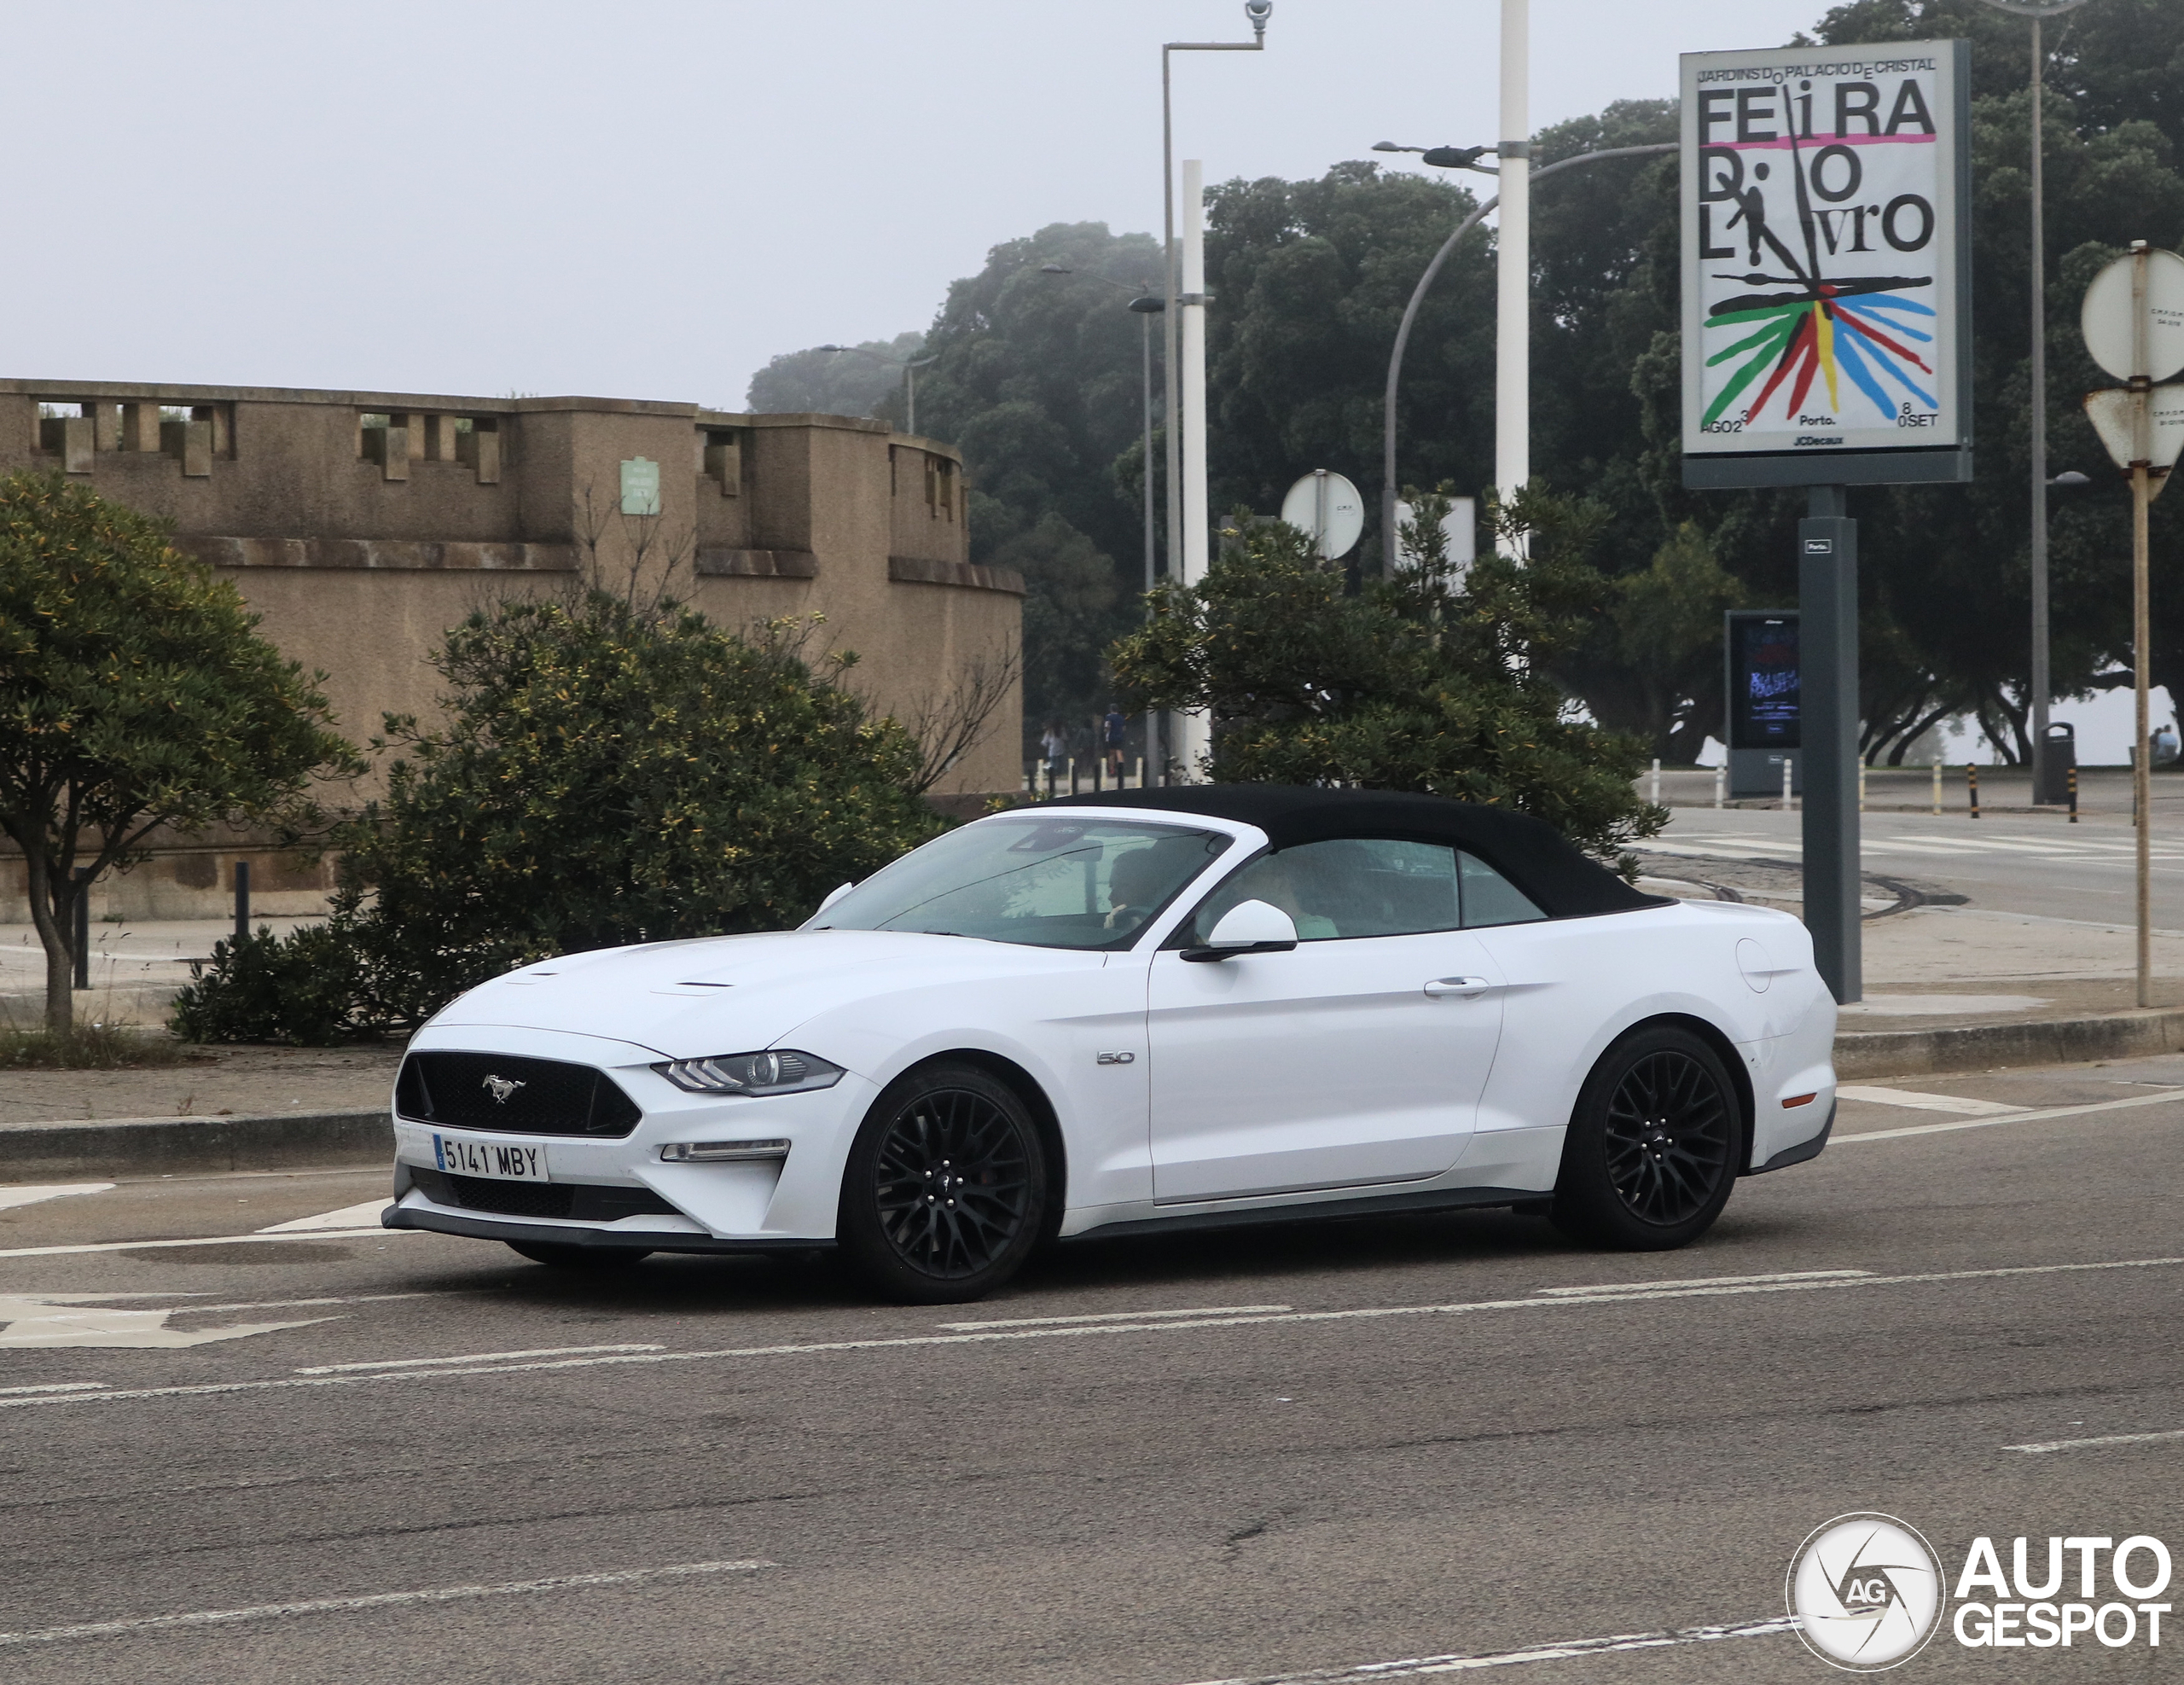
502,1160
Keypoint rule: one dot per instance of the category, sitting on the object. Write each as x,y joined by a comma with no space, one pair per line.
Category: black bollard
2073,795
83,922
1972,781
242,899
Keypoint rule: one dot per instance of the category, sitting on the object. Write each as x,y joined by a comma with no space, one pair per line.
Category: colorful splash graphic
1856,331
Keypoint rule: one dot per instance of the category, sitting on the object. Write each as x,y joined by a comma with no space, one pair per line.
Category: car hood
734,994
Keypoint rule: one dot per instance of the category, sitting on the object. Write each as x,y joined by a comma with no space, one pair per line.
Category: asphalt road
1361,1443
2036,864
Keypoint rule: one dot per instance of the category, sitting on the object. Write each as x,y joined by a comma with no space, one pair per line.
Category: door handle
1471,988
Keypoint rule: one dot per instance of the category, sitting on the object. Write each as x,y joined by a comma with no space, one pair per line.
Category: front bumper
440,1221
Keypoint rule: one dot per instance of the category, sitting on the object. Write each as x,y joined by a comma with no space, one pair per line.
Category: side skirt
1379,1204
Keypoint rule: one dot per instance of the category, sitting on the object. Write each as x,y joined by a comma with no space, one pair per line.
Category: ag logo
1867,1591
501,1088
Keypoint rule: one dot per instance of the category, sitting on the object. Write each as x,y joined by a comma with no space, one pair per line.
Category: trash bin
2059,756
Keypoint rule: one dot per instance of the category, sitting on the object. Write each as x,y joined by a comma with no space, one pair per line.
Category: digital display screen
1763,681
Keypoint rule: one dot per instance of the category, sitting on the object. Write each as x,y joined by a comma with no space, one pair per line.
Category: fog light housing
721,1152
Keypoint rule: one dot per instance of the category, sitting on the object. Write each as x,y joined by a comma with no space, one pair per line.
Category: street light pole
2037,10
1512,351
1257,12
1452,157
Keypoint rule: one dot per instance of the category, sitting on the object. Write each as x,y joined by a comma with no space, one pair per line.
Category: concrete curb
1980,1047
141,1147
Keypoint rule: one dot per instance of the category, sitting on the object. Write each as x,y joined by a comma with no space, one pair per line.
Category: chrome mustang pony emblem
501,1088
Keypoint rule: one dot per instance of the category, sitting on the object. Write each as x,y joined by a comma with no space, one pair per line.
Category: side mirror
833,896
1249,928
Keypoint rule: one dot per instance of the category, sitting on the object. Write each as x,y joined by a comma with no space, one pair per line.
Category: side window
1489,899
1347,888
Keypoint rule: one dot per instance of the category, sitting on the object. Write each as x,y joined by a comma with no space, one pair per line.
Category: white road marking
384,1599
2037,1115
1115,1315
36,1320
1708,1282
472,1357
1928,1102
365,1216
2104,1439
55,1386
1180,1325
204,1241
31,1194
1420,1665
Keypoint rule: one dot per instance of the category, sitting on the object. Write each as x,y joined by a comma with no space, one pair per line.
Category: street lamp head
1056,269
830,347
2036,8
1454,157
1151,305
2069,477
1389,146
1258,11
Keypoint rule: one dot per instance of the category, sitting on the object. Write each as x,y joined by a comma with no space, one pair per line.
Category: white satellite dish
1327,506
1461,524
2113,319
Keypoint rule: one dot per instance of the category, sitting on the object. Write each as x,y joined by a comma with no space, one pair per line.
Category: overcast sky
649,201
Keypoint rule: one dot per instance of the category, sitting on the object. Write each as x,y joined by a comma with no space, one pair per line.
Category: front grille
519,1096
581,1202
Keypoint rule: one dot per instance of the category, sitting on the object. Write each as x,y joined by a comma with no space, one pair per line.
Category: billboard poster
1827,304
1764,681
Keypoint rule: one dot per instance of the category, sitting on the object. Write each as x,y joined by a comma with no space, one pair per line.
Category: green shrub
302,989
605,774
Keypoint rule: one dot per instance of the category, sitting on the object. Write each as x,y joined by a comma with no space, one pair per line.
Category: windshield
1049,881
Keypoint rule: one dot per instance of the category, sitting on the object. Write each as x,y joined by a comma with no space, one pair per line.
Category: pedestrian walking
1114,729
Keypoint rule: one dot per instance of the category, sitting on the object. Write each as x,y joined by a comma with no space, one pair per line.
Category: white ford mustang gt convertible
1202,1005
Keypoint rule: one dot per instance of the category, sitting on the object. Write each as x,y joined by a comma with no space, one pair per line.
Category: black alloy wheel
946,1187
1653,1145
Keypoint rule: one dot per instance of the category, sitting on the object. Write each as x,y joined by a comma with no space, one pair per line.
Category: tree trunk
53,906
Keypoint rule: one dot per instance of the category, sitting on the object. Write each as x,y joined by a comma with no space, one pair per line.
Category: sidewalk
134,969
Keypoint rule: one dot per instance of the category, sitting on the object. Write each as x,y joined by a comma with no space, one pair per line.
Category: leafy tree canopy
1039,380
817,383
135,692
1429,681
606,774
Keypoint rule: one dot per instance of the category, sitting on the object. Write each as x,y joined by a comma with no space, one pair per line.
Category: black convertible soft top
1563,882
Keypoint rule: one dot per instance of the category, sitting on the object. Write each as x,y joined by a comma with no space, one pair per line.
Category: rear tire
558,1255
944,1195
1654,1144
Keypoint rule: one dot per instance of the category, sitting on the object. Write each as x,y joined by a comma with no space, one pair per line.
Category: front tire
1653,1145
945,1192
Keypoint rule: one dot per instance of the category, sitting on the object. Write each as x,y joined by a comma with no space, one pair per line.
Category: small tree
134,693
1428,681
611,773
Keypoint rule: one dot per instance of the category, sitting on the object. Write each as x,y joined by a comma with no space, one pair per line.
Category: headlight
751,1073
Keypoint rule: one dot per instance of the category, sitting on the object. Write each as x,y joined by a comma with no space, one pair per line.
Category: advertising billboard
1826,302
1764,693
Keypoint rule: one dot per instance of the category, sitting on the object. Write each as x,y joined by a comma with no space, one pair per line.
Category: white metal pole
1513,395
1196,737
1720,780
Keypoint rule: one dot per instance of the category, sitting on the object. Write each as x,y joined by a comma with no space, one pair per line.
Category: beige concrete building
361,525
